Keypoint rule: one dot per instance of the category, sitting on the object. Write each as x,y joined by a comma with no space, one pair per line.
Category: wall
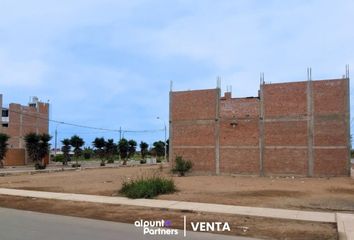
15,157
285,128
299,128
193,128
239,144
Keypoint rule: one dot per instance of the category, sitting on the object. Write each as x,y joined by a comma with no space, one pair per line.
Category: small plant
182,166
39,166
76,165
147,187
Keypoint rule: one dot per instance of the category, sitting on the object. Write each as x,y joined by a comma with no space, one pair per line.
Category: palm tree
143,149
123,146
110,150
99,144
3,147
37,146
32,142
132,148
43,146
77,143
159,147
66,150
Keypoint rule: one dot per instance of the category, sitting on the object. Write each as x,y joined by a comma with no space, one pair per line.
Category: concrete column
261,130
217,131
348,125
170,156
310,128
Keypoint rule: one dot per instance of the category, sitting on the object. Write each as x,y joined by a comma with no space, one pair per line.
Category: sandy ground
327,194
319,194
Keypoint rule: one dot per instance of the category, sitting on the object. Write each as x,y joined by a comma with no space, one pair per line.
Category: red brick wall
15,157
331,127
285,99
239,151
305,129
193,128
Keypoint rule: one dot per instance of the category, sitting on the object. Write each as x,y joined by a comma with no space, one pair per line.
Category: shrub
182,166
58,158
39,166
76,165
142,161
111,160
87,155
148,187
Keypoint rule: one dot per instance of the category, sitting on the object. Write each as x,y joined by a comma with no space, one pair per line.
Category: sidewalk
58,167
345,221
177,205
345,224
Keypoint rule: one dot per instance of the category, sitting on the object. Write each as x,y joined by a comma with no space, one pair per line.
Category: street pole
165,142
56,140
165,128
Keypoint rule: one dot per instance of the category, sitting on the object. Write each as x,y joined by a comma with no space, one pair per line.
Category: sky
109,63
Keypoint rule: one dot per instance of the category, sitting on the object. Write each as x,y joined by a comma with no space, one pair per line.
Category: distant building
297,128
17,121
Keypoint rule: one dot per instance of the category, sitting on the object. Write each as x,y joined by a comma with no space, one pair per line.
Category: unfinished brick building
17,121
297,128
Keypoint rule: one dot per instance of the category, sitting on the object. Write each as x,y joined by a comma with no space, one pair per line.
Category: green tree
4,138
66,150
44,145
110,150
32,142
77,144
159,147
143,149
99,144
37,146
132,148
123,146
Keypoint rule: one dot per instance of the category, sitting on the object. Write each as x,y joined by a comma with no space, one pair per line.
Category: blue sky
109,63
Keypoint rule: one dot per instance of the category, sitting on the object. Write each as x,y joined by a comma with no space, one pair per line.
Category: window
5,112
5,125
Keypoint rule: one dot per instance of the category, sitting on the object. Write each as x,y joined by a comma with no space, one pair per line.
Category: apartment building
17,120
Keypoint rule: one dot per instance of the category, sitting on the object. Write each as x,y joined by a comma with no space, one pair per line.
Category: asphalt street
26,225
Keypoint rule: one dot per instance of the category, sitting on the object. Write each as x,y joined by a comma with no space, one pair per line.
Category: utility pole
165,128
56,141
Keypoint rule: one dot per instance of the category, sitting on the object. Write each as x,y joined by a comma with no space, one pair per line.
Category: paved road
26,225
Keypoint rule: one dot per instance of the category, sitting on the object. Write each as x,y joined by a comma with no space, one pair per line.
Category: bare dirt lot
319,194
